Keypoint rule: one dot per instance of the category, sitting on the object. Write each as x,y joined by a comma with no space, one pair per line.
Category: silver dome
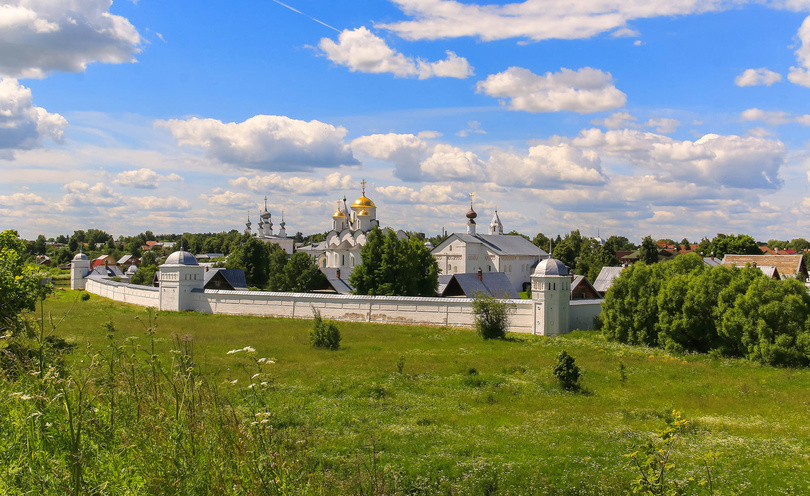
181,258
80,257
551,267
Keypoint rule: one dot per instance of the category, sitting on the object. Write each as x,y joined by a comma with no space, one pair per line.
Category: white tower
339,221
364,213
79,268
551,294
282,232
495,227
179,276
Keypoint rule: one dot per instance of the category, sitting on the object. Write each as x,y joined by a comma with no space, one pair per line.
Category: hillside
402,410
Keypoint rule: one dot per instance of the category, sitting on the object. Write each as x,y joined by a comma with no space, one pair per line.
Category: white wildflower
246,349
234,381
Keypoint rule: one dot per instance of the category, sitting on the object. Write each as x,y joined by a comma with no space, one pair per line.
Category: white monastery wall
582,313
145,296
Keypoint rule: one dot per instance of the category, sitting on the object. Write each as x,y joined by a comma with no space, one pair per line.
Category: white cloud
729,161
40,36
159,203
295,185
430,194
800,75
452,163
534,19
142,178
584,91
473,127
20,200
546,166
663,125
80,194
428,134
616,120
757,77
22,125
775,118
265,142
363,51
222,198
405,151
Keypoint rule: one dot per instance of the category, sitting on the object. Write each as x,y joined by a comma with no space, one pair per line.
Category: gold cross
363,182
471,199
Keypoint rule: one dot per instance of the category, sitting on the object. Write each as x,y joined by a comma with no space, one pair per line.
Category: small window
451,248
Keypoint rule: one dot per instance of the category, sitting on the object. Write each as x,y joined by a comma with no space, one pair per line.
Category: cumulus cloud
362,51
775,118
800,75
143,178
405,151
533,19
20,200
728,161
80,194
265,142
546,166
223,198
616,120
430,194
583,91
296,185
22,125
38,36
757,77
663,125
160,203
452,163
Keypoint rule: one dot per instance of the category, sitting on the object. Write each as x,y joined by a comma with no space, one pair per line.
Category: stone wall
582,313
145,296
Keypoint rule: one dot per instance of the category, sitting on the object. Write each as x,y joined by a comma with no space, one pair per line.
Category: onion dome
363,202
471,214
551,267
363,213
181,258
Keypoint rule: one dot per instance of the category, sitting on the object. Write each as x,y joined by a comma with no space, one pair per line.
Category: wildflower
234,381
266,360
247,349
255,376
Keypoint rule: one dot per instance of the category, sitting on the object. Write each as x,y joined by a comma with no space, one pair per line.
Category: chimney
776,250
207,268
755,265
480,274
338,274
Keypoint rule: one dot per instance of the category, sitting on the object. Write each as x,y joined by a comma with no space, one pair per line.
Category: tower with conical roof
247,225
495,226
282,232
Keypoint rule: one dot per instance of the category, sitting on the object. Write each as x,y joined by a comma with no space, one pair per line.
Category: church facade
265,230
469,252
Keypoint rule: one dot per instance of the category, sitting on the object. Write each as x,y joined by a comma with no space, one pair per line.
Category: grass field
428,410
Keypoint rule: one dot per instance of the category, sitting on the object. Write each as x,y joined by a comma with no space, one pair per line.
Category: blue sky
671,118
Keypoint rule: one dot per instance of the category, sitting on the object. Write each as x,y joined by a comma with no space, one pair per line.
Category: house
103,260
128,260
786,265
225,279
605,279
582,289
495,284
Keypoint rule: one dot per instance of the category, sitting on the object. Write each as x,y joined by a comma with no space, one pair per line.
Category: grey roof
769,271
496,284
551,267
108,271
80,256
341,285
501,244
125,259
181,258
606,277
444,279
234,277
712,262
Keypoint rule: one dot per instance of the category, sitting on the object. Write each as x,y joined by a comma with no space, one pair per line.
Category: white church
265,230
495,251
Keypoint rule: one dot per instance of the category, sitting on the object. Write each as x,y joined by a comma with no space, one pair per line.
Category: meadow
187,403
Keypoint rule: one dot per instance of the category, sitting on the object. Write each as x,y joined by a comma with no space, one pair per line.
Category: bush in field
567,372
491,316
325,334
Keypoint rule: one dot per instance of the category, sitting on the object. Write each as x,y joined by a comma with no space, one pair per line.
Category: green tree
567,372
19,286
740,244
491,316
567,250
630,310
277,279
799,244
393,266
252,256
542,241
39,245
302,274
648,253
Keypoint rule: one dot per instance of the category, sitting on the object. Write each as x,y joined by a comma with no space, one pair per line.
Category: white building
350,225
265,230
469,252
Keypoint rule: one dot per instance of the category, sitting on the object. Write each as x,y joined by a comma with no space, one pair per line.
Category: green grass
465,416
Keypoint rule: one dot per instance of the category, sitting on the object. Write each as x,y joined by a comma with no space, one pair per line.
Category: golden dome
364,212
363,202
338,214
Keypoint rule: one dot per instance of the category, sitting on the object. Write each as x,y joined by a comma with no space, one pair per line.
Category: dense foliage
684,305
491,316
393,266
567,372
19,286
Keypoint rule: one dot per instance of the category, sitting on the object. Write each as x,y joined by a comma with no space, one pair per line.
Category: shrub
491,316
325,333
567,372
85,296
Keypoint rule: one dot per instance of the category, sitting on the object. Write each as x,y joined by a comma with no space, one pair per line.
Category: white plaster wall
582,314
145,296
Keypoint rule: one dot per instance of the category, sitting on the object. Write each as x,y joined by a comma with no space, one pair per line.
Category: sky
670,118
